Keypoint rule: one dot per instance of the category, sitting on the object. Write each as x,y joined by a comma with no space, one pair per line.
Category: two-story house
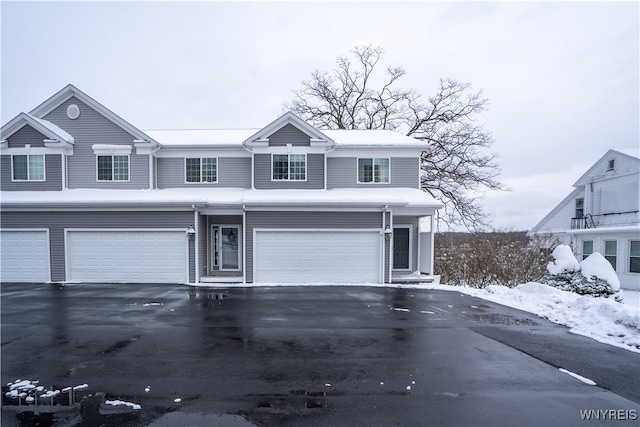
602,215
88,197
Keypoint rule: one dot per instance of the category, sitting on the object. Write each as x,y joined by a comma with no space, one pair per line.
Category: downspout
433,240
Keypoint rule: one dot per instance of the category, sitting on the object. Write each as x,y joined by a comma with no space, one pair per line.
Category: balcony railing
582,223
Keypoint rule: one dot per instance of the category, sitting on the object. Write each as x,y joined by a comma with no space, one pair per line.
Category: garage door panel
24,256
317,256
127,256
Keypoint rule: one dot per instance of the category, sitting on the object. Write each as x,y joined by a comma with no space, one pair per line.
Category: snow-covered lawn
602,319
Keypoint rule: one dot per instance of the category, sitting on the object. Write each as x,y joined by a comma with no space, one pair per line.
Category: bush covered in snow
594,276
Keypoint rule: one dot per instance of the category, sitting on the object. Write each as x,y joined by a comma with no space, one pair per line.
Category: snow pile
133,406
563,261
599,318
594,276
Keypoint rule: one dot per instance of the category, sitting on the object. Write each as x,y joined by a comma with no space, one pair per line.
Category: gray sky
562,77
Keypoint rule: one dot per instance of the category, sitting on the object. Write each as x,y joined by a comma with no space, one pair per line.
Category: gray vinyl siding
304,220
263,174
93,128
53,175
289,134
342,172
26,135
413,221
58,221
232,172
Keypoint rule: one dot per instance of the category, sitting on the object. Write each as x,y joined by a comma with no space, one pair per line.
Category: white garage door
24,256
127,256
316,256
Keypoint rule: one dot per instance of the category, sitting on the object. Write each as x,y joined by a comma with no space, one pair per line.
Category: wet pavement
297,356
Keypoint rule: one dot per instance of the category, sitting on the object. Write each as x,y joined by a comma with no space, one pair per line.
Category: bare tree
454,169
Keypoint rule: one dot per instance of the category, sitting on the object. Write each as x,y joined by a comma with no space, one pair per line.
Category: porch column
426,243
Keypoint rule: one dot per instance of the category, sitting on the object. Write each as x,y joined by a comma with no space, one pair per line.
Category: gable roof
71,91
536,228
286,119
593,170
45,127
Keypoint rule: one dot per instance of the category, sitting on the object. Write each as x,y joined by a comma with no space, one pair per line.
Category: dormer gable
288,129
141,140
54,136
613,163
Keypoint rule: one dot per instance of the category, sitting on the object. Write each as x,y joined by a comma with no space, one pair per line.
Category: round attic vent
73,112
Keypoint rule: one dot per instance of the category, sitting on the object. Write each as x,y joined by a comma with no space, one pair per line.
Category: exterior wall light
191,233
388,233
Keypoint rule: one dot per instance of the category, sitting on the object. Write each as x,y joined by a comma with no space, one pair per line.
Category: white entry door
226,247
332,256
122,256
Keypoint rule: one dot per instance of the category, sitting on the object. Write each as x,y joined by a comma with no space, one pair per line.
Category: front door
401,248
226,247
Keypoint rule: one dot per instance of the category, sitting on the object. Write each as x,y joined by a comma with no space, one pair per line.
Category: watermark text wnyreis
608,414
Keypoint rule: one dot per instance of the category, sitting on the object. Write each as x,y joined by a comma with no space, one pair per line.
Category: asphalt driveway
307,356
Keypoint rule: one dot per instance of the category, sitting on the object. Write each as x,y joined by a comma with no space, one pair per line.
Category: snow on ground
602,319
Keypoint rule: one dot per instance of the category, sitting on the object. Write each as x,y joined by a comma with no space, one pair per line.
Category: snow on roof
344,197
64,135
235,137
204,137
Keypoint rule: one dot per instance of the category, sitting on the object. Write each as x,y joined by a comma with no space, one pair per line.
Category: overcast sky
562,77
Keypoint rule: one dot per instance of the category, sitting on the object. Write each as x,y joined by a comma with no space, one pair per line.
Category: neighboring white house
601,215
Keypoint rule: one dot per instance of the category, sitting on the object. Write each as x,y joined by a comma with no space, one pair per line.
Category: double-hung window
28,167
611,252
113,168
587,248
201,169
373,171
289,167
634,256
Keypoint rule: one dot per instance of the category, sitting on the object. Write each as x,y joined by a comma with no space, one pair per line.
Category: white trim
46,230
410,227
201,182
390,248
306,163
196,246
44,168
67,252
169,152
111,149
373,171
628,260
313,230
244,246
219,249
113,168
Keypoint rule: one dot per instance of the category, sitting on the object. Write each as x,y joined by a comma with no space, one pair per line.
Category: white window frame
582,248
629,256
44,168
289,179
113,165
201,181
216,246
615,255
373,171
